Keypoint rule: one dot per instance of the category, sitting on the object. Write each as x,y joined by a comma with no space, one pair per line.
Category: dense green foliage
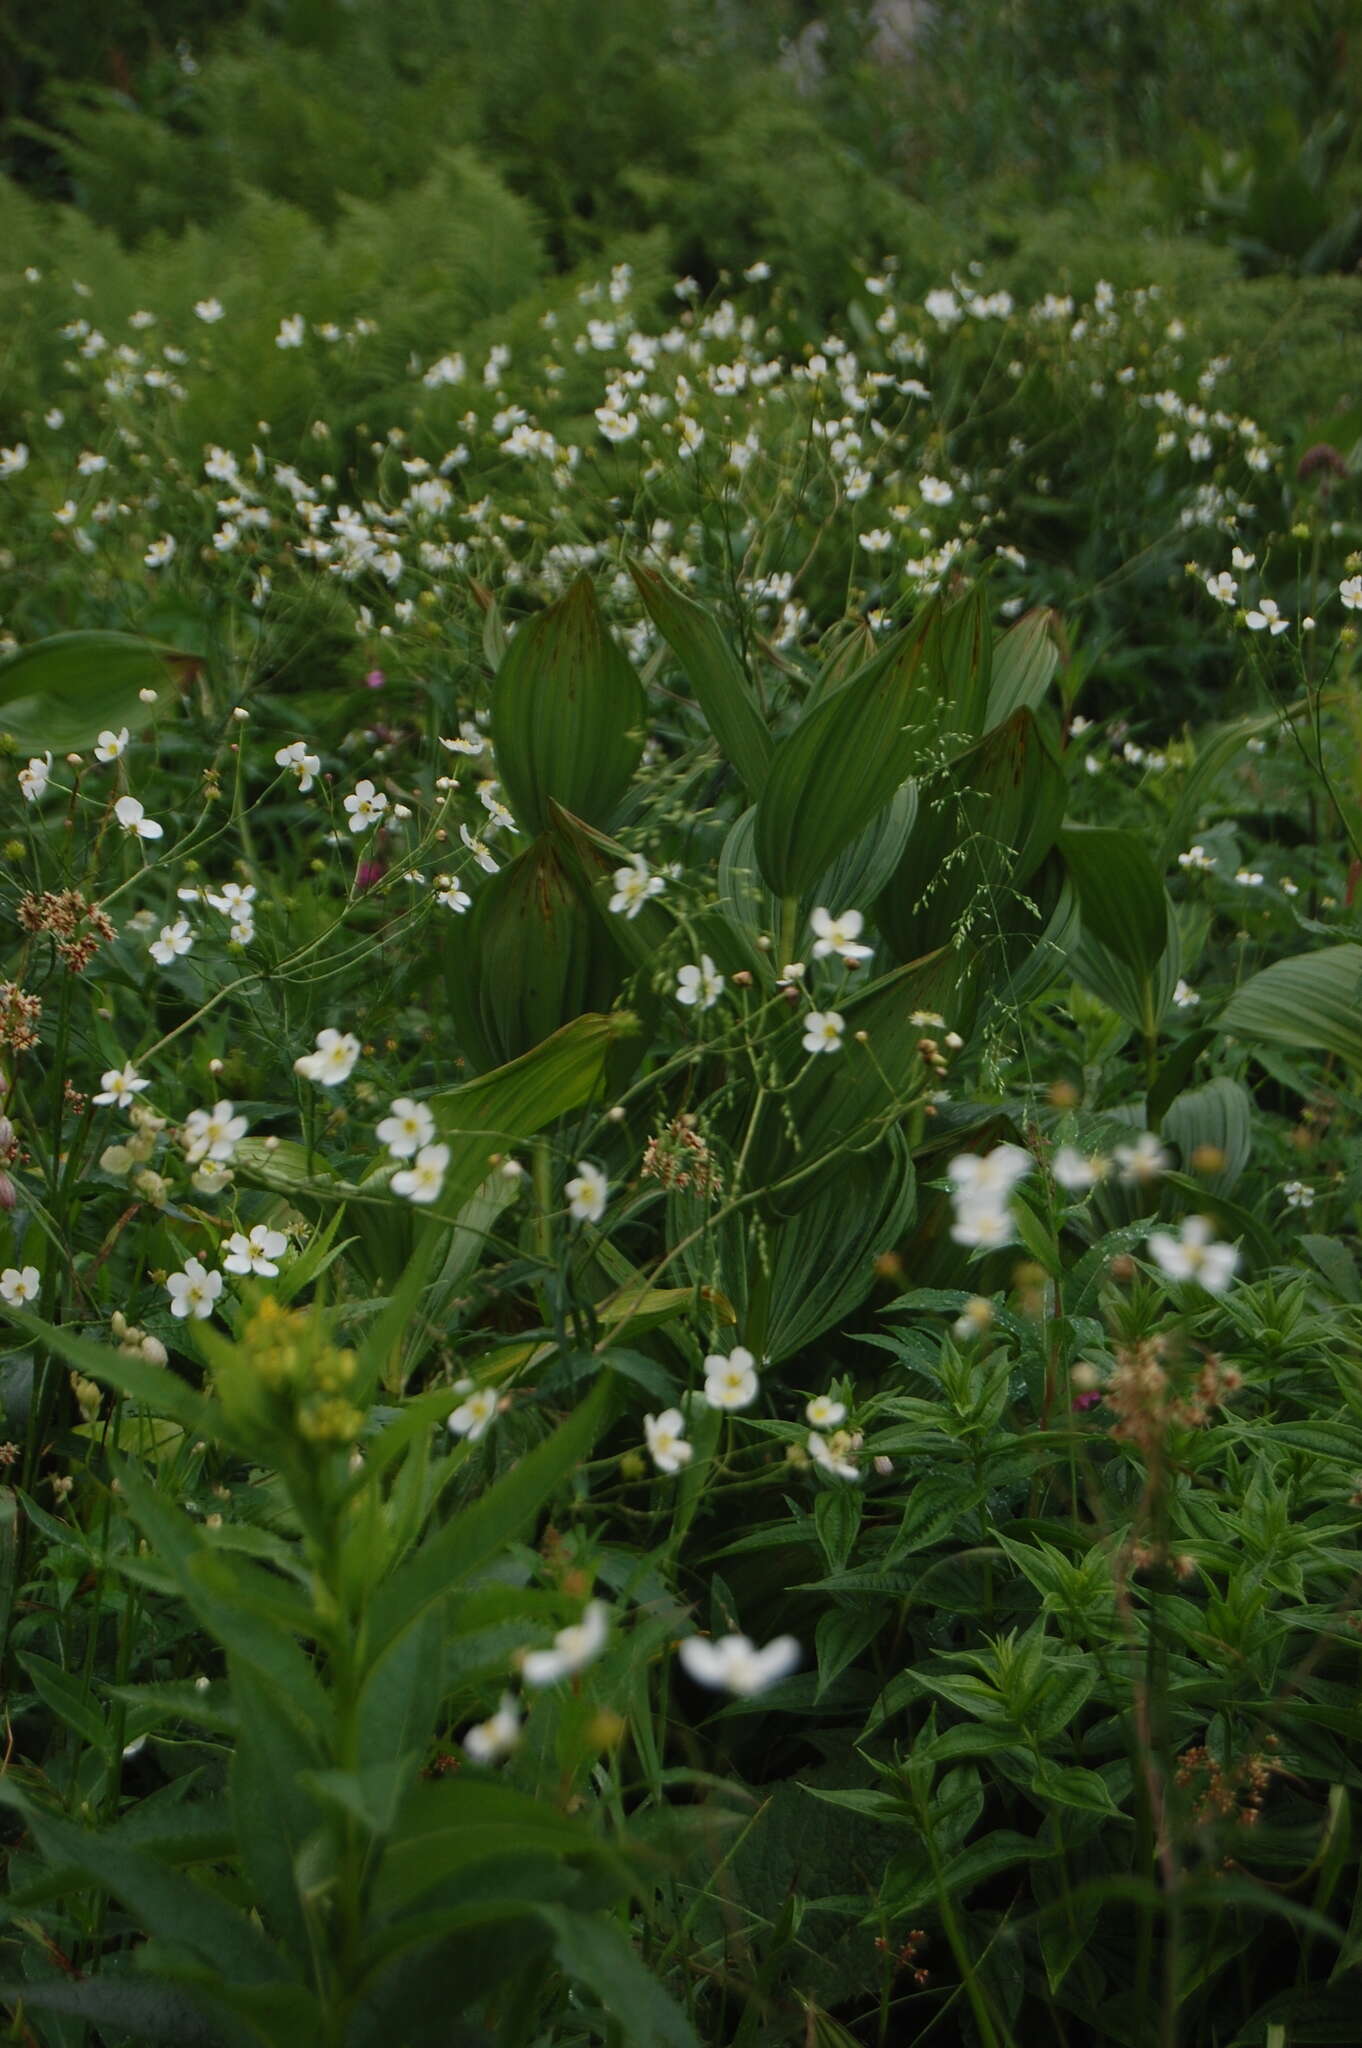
681,828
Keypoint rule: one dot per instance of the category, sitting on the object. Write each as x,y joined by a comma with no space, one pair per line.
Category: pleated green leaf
567,713
1121,897
1313,1001
714,673
1026,659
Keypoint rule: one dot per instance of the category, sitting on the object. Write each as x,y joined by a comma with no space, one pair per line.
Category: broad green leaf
1142,998
1216,1118
593,1951
844,761
1121,896
1025,660
475,1534
1217,751
714,673
1313,1000
567,713
274,1814
456,1823
61,693
500,1110
135,2008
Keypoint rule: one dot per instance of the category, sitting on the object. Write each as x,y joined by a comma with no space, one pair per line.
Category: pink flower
375,679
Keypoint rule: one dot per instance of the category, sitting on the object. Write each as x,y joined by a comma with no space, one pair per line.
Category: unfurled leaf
714,673
567,713
1025,660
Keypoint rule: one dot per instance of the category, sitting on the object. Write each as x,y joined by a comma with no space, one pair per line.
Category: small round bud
616,1113
240,713
215,1066
147,696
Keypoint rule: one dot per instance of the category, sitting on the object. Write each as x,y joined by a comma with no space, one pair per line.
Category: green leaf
593,1951
884,720
474,1535
1121,896
1142,998
68,1700
1025,660
61,693
274,1814
137,2007
1313,1001
567,713
153,1387
714,673
451,1826
1219,1116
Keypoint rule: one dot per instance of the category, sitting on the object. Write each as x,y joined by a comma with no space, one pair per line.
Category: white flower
193,1292
633,886
134,820
484,859
1267,615
19,1285
731,1382
735,1664
1299,1194
1195,1255
982,1223
34,779
992,1174
208,1180
212,1133
573,1648
333,1061
234,899
366,806
119,1086
839,935
291,331
702,985
1197,857
1185,996
303,764
616,425
408,1126
587,1193
475,1415
110,745
1350,590
878,541
12,460
256,1252
935,490
1223,587
208,310
1077,1172
487,1742
448,892
823,1031
1143,1161
424,1178
667,1446
827,1454
175,941
1248,878
825,1413
160,552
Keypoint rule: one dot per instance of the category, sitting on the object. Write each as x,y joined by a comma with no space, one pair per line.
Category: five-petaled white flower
291,331
731,1382
34,779
119,1085
175,941
110,745
1195,1255
424,1178
448,892
485,860
407,1127
475,1415
735,1664
333,1061
366,806
829,1455
587,1193
487,1742
1143,1161
194,1291
1078,1171
667,1446
255,1252
702,985
823,1031
19,1285
573,1648
134,820
981,1190
160,552
212,1133
1222,587
839,935
1267,615
208,310
1350,590
303,764
633,886
825,1413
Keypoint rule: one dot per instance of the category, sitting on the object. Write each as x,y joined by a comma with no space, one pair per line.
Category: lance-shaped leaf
1025,660
1313,1001
529,957
966,642
982,829
1121,897
61,693
844,760
567,713
714,673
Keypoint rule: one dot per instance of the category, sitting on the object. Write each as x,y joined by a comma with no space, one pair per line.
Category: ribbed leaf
714,673
1313,1001
1025,660
62,692
567,713
1121,896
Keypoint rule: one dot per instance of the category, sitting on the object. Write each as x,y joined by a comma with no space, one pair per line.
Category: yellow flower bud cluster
284,1355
